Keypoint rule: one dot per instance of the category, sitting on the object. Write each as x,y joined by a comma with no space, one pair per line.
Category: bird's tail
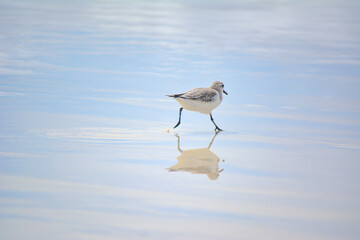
175,95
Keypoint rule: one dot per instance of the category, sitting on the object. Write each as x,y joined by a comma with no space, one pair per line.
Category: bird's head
218,86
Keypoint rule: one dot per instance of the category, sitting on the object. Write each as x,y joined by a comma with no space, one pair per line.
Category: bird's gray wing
200,94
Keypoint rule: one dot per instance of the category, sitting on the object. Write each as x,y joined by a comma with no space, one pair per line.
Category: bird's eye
222,85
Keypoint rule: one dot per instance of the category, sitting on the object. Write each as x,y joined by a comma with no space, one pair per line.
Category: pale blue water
84,147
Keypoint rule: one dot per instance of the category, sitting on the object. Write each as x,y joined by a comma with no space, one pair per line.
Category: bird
202,100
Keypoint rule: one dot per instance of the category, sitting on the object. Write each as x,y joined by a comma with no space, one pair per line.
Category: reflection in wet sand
198,161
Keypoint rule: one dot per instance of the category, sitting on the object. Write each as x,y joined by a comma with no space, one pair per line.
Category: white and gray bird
202,100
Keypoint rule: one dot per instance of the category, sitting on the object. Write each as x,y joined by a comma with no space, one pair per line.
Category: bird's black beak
225,92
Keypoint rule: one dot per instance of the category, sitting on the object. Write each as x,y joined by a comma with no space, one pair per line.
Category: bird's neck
221,96
219,91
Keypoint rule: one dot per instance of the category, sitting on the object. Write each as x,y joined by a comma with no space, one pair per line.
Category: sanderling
202,100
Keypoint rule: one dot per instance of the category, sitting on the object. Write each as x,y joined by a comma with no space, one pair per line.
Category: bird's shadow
198,161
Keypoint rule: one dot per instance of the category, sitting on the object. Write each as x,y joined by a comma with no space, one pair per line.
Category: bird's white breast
199,106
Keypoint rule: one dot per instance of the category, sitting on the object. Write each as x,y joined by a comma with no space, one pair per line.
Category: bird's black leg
179,118
216,127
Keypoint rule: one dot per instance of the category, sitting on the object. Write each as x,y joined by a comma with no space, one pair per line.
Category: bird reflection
198,161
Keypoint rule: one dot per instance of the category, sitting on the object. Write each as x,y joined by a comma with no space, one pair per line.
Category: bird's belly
198,106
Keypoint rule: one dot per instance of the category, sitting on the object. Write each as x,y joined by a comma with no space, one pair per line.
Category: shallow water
86,145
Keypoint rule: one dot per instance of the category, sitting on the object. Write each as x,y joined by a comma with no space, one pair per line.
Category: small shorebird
202,100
